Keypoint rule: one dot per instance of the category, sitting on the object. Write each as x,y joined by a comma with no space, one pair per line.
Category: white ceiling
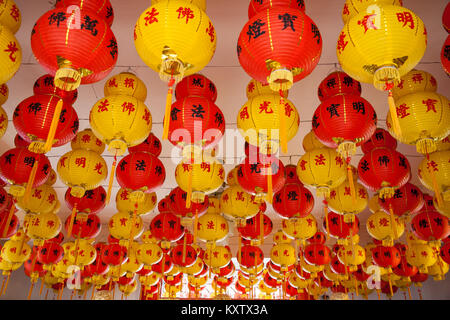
228,17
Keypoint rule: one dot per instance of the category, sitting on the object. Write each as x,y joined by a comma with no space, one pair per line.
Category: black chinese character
383,160
359,106
364,166
140,165
288,20
197,82
34,107
254,30
332,109
316,32
56,17
90,25
197,111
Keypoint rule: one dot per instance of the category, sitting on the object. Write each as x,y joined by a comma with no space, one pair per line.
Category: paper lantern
267,121
87,140
317,254
238,204
42,226
101,8
269,51
445,55
367,62
82,170
324,169
217,257
167,228
434,173
43,199
407,200
310,142
125,203
413,82
379,226
3,121
93,201
293,200
430,226
422,256
212,228
85,226
151,145
339,228
256,88
255,229
196,85
10,55
124,226
380,138
13,251
177,203
62,48
338,82
352,255
341,200
45,85
283,255
300,228
120,121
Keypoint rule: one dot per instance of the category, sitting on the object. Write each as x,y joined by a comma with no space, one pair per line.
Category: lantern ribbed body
407,200
353,7
101,8
338,82
293,200
439,163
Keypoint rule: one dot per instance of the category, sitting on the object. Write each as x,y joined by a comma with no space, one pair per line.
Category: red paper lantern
317,254
338,82
195,120
164,266
280,45
84,226
321,281
11,227
177,204
196,85
45,85
166,227
226,271
407,200
16,165
418,278
380,139
445,55
386,257
19,142
360,275
339,228
383,169
125,280
430,225
291,174
101,8
58,239
337,267
140,171
252,228
251,256
271,282
428,203
445,252
35,267
344,118
151,145
92,202
188,252
293,200
4,199
173,280
189,238
318,238
50,253
386,288
404,269
114,254
256,6
64,38
163,205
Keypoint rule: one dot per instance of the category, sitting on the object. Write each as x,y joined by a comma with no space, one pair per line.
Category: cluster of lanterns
186,239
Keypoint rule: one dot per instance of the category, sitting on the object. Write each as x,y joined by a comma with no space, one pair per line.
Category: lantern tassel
8,220
72,219
42,286
390,284
111,179
351,182
51,133
195,226
131,237
3,285
7,282
409,293
261,226
168,109
239,249
327,225
31,290
437,191
189,191
393,110
31,179
269,184
283,131
393,224
184,248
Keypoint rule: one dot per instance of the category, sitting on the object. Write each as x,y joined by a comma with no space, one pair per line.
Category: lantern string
31,179
168,108
8,220
72,217
327,223
351,181
436,188
281,115
111,177
393,111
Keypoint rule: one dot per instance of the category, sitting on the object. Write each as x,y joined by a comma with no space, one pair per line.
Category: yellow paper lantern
149,253
443,208
238,204
323,169
179,56
214,205
332,276
374,205
42,199
11,251
256,88
82,170
217,257
4,93
421,255
267,122
438,270
82,253
148,237
252,271
283,255
150,279
7,267
121,226
424,118
297,282
379,227
133,264
341,200
381,43
3,122
199,3
232,176
124,203
352,255
312,269
42,226
353,7
120,121
439,163
195,269
200,178
310,142
126,84
50,279
300,228
414,81
87,140
10,54
212,228
443,145
129,288
52,178
10,15
280,237
197,282
100,280
115,272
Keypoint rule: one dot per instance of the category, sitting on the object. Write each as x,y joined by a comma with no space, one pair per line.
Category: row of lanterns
301,265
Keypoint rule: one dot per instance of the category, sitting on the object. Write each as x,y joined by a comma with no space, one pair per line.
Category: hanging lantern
338,82
212,228
214,205
404,269
339,228
149,254
445,55
380,225
268,47
82,170
93,201
217,257
182,259
424,118
341,200
177,203
45,85
430,226
43,226
11,53
87,140
283,255
7,230
310,142
151,145
434,173
337,122
12,253
353,7
101,8
124,226
407,201
317,254
267,121
383,170
322,169
300,228
18,164
114,254
167,228
125,203
262,177
64,53
422,256
196,85
85,226
380,139
413,82
445,252
386,257
3,121
82,254
256,88
43,199
238,204
140,172
293,200
49,253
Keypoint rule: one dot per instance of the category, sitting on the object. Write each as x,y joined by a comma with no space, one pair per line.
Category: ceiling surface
228,17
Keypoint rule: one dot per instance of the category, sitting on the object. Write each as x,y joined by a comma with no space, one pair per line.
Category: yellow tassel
195,226
31,180
426,146
8,221
283,131
393,110
325,209
351,182
390,284
42,286
437,191
269,195
239,249
51,133
72,220
184,248
393,224
261,226
31,290
111,180
189,191
167,114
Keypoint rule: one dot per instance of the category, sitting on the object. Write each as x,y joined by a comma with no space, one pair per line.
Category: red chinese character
36,222
368,22
265,107
186,167
62,161
128,106
362,194
98,142
210,224
320,160
406,17
288,110
129,83
205,166
333,194
339,161
432,164
50,224
86,138
431,104
251,87
3,90
51,198
346,191
37,193
221,173
146,116
112,83
151,16
123,221
225,198
383,222
15,13
223,226
12,49
303,165
2,120
244,114
371,225
424,253
185,13
103,106
345,10
81,162
124,195
210,31
98,167
400,85
310,221
417,77
240,196
341,44
402,111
